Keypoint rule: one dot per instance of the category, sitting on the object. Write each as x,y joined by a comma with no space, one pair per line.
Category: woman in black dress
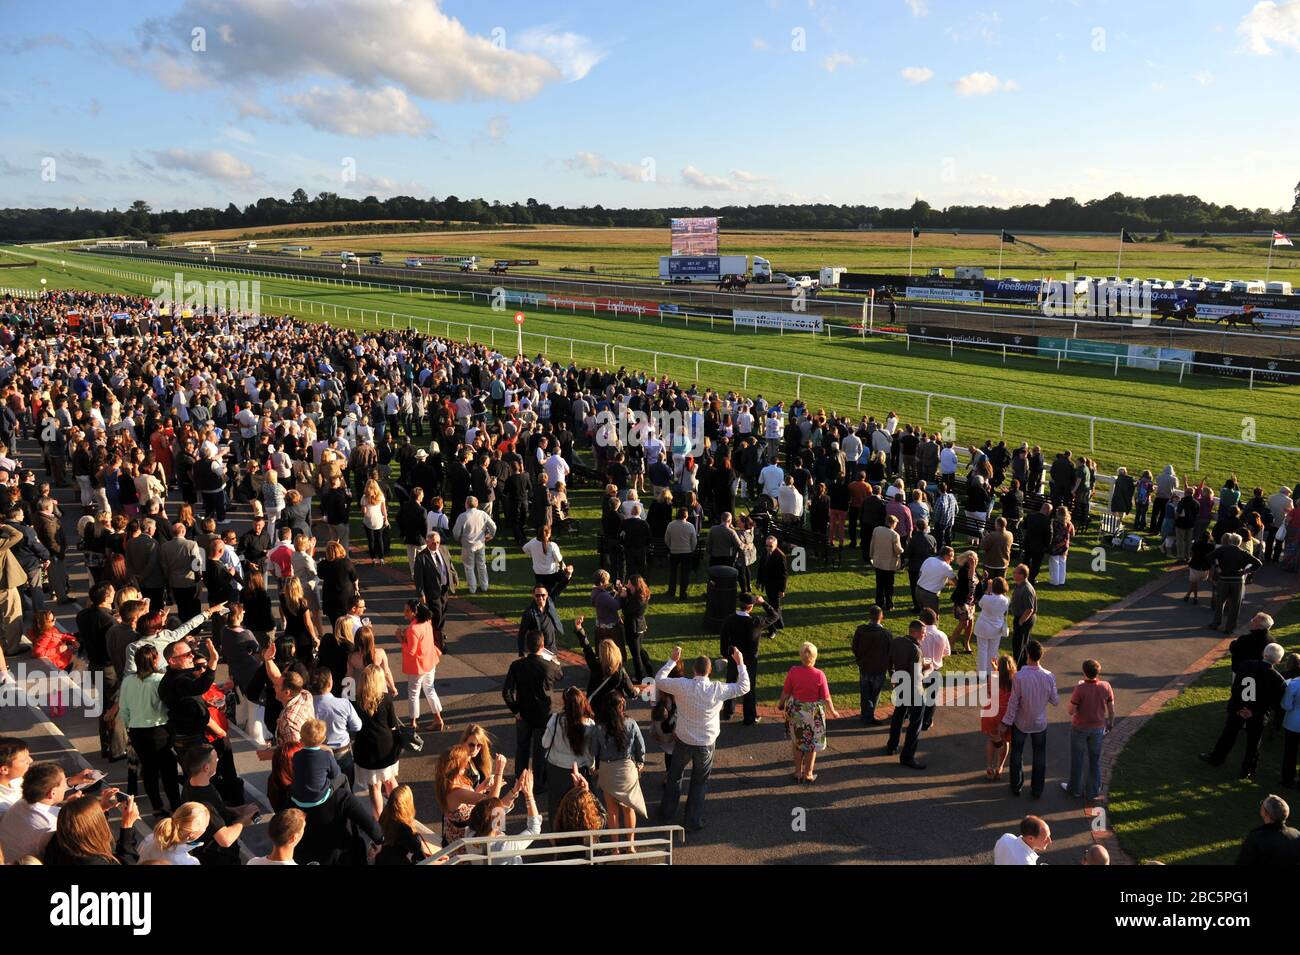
635,596
338,577
299,622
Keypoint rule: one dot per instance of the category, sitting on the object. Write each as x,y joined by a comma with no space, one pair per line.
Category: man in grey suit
182,562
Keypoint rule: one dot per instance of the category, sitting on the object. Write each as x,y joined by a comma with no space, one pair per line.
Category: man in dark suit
1257,689
872,646
905,661
635,536
433,578
920,547
873,516
743,631
1036,539
1274,842
773,574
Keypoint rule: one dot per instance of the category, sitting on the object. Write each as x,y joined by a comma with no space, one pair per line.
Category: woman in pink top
420,656
806,698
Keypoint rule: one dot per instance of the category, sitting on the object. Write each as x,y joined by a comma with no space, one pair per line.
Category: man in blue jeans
1026,718
699,701
1092,713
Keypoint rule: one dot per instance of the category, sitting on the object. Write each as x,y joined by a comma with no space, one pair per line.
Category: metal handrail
652,843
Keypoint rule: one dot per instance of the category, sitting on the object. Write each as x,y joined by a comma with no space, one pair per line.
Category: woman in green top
145,719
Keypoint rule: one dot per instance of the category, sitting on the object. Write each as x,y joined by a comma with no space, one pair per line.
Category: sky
205,102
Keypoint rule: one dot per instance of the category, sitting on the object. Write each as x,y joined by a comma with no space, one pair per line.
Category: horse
1246,318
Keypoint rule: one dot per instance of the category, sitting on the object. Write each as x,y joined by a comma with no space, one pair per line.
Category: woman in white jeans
1062,532
991,624
420,657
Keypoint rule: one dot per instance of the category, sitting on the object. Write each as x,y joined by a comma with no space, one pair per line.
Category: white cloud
596,166
238,135
1270,26
837,59
351,112
699,180
917,74
982,84
365,44
1204,78
573,53
758,43
744,175
213,164
919,8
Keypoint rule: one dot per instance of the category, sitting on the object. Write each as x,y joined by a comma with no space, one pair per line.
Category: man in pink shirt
1092,713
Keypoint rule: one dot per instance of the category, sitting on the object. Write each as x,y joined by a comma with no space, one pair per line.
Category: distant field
636,251
1212,406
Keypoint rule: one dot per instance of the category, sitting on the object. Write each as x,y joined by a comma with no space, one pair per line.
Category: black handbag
408,738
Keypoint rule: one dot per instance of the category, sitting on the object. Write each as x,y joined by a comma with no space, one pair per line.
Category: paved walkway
865,807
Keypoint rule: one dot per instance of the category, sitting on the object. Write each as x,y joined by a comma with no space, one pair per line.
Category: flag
1008,237
916,231
1126,236
1280,239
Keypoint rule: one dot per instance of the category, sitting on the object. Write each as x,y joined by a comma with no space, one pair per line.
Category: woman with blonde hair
366,654
476,739
374,517
806,699
963,597
299,622
456,794
403,843
338,581
605,670
174,838
376,746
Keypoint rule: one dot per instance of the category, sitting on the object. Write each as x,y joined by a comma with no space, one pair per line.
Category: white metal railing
652,844
400,319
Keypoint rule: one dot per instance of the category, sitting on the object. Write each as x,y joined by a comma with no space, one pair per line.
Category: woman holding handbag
376,747
420,657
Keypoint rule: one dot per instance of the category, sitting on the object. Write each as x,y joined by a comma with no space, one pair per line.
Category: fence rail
488,335
652,844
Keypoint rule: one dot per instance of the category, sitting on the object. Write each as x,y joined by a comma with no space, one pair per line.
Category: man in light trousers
474,528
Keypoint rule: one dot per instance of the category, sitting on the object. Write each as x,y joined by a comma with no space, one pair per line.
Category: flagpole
1120,254
910,242
1001,236
1271,242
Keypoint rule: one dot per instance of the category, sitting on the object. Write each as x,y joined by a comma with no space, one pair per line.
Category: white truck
830,275
701,269
762,269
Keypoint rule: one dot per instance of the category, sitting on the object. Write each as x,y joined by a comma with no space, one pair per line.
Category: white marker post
519,329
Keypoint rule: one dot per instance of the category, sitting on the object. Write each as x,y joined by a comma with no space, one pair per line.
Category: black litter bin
720,602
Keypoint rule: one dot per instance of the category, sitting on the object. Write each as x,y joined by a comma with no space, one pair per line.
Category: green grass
1165,804
823,607
1212,406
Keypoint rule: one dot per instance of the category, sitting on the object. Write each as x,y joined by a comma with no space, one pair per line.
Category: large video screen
695,236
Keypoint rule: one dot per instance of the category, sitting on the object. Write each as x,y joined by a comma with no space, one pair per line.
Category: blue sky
204,102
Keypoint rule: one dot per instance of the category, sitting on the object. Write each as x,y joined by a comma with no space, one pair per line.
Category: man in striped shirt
1026,717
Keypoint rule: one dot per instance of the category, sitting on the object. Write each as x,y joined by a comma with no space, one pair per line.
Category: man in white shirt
1035,836
286,831
556,468
15,760
28,825
934,575
699,701
770,479
934,648
474,528
790,502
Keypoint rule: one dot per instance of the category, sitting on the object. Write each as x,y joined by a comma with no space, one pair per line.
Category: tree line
1152,214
